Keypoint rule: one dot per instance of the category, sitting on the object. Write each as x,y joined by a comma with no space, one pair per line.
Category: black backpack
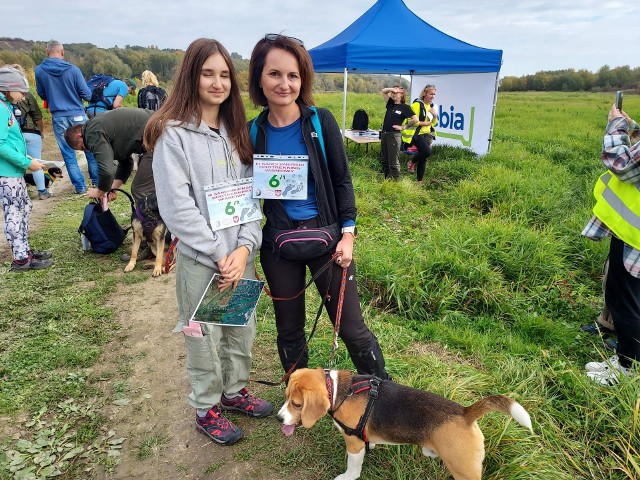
97,84
360,120
101,228
151,97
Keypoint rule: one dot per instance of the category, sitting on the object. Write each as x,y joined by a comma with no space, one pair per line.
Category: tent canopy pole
344,102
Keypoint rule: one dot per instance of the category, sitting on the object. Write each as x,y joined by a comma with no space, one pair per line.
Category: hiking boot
30,264
42,255
215,426
246,403
143,254
603,366
44,195
596,329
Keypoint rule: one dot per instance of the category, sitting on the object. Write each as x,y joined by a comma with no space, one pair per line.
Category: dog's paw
157,271
346,476
130,266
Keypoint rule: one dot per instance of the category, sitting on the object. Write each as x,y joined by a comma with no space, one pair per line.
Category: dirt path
152,413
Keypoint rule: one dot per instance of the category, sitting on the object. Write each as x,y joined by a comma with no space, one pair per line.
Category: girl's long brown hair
184,102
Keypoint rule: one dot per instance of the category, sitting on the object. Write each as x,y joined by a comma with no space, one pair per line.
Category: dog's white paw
157,271
130,266
345,476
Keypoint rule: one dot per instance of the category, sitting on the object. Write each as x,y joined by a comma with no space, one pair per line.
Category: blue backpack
97,84
101,228
315,121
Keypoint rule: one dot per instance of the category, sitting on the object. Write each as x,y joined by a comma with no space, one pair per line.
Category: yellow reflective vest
419,108
618,207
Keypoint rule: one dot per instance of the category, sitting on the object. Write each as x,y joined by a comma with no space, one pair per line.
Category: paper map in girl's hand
232,307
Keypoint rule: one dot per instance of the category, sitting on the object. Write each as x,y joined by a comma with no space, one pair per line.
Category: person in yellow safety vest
617,214
423,133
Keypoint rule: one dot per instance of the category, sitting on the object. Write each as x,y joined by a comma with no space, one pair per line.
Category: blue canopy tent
369,46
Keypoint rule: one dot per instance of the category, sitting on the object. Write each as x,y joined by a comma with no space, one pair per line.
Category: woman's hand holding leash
344,250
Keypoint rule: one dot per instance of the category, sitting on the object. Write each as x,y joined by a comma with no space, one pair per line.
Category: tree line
571,80
130,61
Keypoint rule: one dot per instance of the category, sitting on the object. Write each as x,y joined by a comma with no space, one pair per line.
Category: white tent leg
493,113
344,102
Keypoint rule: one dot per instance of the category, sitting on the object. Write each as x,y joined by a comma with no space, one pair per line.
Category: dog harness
148,223
371,385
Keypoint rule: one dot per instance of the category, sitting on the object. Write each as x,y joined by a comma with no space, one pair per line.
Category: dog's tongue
288,429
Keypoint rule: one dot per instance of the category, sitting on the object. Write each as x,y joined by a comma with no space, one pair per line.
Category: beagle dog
370,411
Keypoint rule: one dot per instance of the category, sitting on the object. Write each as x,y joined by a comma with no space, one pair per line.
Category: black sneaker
144,253
42,255
215,426
30,264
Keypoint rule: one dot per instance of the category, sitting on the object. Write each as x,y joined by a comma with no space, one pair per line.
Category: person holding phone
616,215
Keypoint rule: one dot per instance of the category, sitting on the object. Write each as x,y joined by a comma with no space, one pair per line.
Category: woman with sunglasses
423,133
281,80
199,139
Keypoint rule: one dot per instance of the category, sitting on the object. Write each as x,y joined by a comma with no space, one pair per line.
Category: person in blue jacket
62,85
16,204
114,92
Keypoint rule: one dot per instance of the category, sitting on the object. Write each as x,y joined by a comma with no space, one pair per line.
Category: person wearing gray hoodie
199,139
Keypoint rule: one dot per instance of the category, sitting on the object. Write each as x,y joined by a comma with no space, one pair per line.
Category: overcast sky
533,34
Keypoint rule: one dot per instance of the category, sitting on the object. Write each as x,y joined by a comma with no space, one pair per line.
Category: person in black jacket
281,79
151,96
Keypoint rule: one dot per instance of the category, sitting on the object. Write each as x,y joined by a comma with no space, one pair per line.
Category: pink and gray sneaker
246,403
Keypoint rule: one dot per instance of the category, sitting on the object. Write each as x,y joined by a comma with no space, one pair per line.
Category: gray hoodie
187,158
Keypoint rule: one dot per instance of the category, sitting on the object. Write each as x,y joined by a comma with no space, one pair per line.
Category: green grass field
475,283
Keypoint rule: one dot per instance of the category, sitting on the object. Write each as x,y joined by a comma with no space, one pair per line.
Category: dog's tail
502,404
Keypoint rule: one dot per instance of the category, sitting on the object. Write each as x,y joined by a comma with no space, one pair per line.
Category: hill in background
131,61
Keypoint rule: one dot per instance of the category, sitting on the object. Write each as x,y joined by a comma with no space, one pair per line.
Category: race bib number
283,177
232,203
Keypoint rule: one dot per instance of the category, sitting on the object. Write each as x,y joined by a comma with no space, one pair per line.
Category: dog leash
170,257
336,327
326,298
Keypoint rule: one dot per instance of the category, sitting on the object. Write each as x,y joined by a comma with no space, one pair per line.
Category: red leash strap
170,258
336,328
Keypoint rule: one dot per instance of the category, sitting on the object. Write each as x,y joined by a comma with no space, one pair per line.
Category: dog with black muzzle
146,223
370,411
50,176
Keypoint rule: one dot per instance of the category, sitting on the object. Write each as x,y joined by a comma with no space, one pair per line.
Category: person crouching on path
198,139
281,79
16,203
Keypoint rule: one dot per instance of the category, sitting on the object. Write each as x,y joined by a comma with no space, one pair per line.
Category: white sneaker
609,378
608,372
603,366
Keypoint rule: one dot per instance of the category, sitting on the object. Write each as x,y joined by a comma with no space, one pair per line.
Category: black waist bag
102,229
303,243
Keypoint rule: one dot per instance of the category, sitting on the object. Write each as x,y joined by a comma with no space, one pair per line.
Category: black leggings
286,278
622,292
423,144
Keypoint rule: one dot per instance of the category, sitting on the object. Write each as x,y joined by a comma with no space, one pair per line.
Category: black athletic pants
622,292
423,144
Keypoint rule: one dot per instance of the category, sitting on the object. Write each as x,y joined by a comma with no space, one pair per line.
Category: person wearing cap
16,203
115,92
62,86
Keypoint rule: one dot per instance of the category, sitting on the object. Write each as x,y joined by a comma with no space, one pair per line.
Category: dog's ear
316,405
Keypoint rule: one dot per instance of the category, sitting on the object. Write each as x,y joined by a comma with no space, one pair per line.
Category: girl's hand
232,268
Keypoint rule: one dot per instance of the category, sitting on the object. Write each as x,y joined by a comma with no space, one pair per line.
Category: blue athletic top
288,141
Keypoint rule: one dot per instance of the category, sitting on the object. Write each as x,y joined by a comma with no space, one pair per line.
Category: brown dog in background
398,415
146,223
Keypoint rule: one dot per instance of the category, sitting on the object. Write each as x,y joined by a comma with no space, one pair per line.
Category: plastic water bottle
86,245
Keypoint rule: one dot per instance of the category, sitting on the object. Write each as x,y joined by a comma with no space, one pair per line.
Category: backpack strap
315,121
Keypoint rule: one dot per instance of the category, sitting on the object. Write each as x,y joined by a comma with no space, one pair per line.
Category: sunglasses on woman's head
272,37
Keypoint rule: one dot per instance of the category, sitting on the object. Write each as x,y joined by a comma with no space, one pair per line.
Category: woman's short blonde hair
149,78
